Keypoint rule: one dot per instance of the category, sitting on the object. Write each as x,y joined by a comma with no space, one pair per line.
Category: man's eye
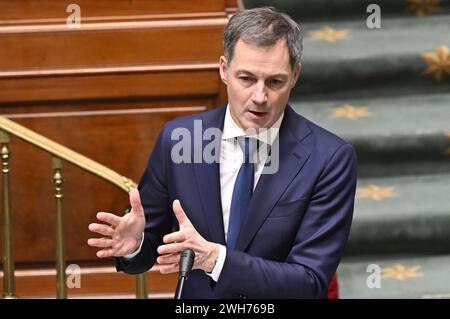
245,78
276,82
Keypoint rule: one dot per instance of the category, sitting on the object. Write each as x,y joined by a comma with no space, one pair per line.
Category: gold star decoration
375,192
423,7
438,62
330,34
401,272
351,112
447,152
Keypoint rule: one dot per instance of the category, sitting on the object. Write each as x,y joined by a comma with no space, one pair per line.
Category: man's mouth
257,115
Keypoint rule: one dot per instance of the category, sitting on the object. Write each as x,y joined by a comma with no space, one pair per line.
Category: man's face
259,81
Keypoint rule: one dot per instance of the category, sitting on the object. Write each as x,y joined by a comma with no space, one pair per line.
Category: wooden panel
232,6
104,90
42,9
122,46
127,85
121,141
95,282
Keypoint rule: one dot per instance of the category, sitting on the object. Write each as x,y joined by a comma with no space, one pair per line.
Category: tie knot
248,146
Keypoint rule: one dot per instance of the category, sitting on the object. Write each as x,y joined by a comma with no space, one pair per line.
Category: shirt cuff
215,274
132,255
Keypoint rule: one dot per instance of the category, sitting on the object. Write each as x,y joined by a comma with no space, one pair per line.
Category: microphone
186,263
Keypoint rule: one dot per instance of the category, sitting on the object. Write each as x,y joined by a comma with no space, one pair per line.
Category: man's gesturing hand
123,234
187,237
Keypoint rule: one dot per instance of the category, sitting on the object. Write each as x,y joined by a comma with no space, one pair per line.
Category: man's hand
123,234
206,253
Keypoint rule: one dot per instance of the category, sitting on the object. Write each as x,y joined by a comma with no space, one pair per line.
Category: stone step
335,9
402,277
394,135
388,58
408,214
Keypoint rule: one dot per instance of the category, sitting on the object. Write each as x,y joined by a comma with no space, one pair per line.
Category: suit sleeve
317,248
153,190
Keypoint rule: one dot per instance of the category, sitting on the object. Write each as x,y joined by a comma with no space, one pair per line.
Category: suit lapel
208,182
292,157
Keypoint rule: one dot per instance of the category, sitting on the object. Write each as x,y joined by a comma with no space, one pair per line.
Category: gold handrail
59,153
66,154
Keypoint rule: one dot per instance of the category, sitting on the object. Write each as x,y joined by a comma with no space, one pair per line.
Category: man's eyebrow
278,75
243,71
282,75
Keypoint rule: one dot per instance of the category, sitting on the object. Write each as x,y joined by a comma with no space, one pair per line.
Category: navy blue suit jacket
296,226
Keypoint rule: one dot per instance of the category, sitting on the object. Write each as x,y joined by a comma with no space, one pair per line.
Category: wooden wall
105,90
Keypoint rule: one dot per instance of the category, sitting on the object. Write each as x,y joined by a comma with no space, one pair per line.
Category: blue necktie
242,191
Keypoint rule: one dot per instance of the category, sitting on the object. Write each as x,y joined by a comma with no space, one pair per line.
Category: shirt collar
232,130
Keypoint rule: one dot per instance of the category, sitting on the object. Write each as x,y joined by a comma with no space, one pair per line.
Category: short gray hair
263,27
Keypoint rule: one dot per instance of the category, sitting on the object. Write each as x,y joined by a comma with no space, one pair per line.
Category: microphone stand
186,263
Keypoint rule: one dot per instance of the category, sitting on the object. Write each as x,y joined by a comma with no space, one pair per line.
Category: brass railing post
58,180
141,286
9,289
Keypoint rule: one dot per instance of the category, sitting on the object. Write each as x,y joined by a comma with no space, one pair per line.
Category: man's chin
256,123
252,126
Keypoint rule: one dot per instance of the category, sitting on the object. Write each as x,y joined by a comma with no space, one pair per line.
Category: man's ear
223,69
297,71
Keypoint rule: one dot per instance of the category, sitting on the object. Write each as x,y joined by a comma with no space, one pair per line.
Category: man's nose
259,95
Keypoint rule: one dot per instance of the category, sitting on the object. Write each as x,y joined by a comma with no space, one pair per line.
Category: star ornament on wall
401,272
376,192
438,62
330,34
423,7
351,112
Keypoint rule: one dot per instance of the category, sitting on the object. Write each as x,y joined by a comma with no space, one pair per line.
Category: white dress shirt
231,159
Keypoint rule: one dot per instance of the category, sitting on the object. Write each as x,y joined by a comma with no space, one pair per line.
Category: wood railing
59,154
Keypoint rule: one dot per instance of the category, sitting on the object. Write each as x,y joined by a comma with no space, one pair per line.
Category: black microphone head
186,262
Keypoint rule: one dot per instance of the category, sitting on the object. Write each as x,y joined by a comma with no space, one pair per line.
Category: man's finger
100,242
135,201
101,229
174,237
168,269
170,248
109,218
179,212
168,259
105,253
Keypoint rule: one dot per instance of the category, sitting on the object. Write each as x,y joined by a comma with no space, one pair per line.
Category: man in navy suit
275,228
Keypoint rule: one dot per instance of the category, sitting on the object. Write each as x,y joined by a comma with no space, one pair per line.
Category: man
257,230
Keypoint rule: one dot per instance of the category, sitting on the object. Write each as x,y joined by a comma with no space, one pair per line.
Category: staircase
387,92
